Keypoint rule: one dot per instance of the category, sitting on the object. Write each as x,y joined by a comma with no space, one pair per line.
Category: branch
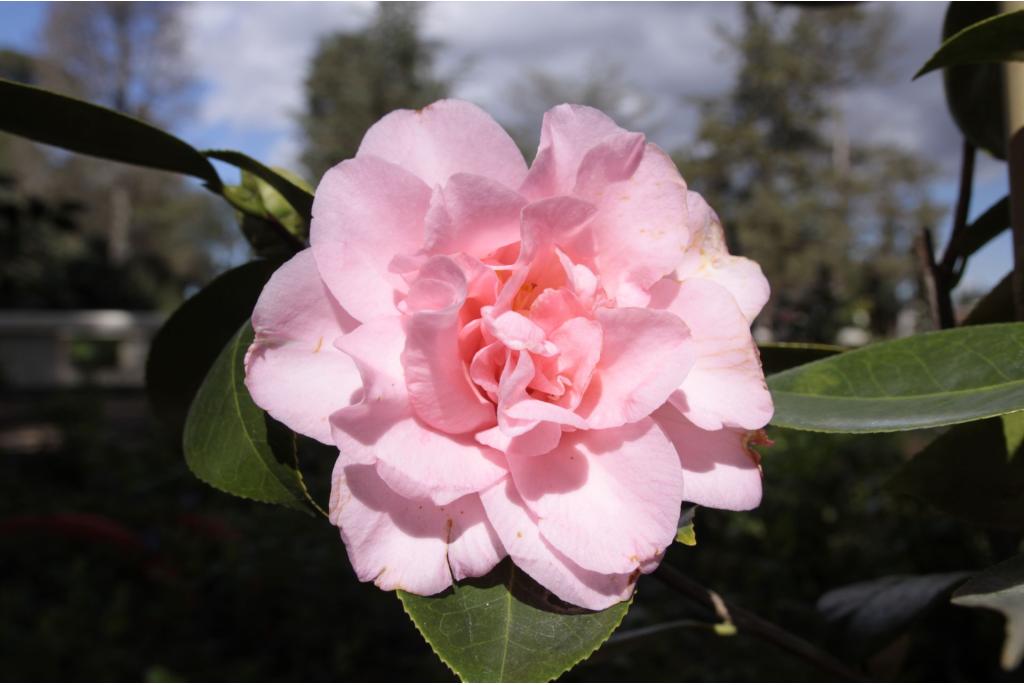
963,204
936,281
752,624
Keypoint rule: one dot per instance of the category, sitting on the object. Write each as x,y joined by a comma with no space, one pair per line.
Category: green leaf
93,130
1000,588
274,204
997,39
776,357
871,613
504,627
975,92
686,533
968,473
295,191
994,221
924,381
233,446
994,307
189,341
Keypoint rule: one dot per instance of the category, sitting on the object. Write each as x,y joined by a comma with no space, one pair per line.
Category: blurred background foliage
117,564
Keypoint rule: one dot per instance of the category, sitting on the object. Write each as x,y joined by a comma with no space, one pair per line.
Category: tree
124,55
85,232
605,87
356,78
830,221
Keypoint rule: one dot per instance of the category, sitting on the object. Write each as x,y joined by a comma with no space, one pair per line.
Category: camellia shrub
533,376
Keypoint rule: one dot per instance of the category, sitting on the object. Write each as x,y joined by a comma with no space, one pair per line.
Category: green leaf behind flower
924,381
504,627
232,445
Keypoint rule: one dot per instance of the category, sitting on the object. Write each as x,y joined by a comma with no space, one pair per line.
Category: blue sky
667,52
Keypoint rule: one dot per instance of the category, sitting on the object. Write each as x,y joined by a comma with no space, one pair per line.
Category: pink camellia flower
542,363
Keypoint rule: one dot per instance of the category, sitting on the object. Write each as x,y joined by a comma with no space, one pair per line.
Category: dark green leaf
776,357
997,39
968,472
186,346
92,130
871,613
994,221
1000,588
233,446
298,194
995,307
924,381
975,92
505,627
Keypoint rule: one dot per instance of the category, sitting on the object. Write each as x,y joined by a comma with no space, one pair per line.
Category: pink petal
292,369
726,386
567,134
708,257
517,529
609,500
414,459
645,355
366,211
436,379
407,544
719,469
474,215
446,138
639,231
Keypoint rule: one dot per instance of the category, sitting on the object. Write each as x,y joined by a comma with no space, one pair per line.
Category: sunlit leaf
233,446
967,472
1000,588
505,627
923,381
996,39
296,192
190,340
776,357
80,126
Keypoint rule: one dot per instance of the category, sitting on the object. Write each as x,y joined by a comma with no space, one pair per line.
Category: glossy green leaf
975,92
297,193
924,381
93,130
188,343
1000,588
232,445
968,472
996,39
505,627
776,357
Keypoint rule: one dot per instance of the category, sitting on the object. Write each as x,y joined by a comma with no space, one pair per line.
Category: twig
752,624
953,251
637,633
935,281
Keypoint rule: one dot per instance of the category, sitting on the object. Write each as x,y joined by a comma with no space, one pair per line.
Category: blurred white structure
61,349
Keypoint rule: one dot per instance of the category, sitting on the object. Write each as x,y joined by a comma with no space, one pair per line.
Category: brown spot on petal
519,533
319,344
